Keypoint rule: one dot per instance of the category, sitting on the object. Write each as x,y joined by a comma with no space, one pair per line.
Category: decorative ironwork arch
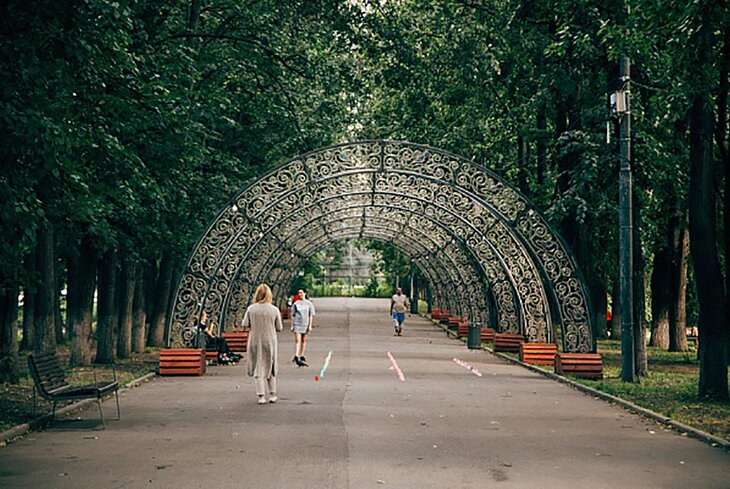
472,235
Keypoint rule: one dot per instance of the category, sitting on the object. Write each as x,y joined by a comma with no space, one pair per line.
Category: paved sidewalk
361,427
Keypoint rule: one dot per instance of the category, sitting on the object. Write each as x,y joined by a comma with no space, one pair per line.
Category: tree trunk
660,284
541,147
80,302
600,306
522,164
127,283
72,295
639,290
107,311
678,287
29,295
577,234
162,300
58,276
616,311
703,243
723,143
9,362
45,304
150,282
139,316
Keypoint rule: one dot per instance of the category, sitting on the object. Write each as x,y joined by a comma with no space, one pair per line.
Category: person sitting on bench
225,355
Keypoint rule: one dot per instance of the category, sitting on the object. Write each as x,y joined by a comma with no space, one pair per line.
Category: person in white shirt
302,315
398,306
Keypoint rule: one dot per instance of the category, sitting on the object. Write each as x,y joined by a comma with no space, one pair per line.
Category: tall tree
9,364
677,314
156,333
139,314
108,314
702,212
127,283
45,300
80,301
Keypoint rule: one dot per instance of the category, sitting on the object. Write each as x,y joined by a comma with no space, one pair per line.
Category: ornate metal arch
471,233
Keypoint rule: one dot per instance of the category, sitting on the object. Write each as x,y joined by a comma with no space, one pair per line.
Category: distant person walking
398,306
302,315
264,320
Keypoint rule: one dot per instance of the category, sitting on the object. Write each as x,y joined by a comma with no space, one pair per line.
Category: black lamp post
621,105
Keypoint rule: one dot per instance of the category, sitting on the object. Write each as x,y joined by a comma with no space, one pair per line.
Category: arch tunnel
479,243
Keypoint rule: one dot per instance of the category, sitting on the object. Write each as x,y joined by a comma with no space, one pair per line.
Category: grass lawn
670,389
16,400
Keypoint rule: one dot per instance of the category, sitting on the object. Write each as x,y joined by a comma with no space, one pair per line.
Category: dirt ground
16,401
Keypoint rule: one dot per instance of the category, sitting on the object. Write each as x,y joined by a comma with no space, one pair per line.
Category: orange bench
538,353
585,365
452,323
462,328
440,315
182,361
488,335
508,342
285,312
237,340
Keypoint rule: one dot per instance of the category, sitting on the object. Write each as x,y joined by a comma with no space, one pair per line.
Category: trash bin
474,336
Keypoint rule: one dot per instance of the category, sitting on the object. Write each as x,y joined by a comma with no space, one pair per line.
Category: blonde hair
263,295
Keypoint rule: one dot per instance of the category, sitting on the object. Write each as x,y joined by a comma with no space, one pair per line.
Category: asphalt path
361,426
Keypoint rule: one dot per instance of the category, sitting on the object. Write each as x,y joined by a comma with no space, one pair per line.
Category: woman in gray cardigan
264,320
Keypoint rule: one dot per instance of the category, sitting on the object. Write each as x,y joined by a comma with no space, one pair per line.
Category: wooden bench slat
586,365
182,361
237,340
180,371
487,335
538,353
183,351
507,342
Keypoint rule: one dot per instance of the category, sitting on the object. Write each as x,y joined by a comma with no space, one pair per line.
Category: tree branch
253,42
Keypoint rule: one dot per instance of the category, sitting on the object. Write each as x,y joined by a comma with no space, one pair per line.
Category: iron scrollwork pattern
472,234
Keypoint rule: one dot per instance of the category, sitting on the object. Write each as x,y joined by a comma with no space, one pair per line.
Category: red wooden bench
440,315
462,328
182,361
488,335
585,365
508,342
538,353
452,323
285,312
237,340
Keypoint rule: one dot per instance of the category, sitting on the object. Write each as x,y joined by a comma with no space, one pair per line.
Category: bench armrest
114,373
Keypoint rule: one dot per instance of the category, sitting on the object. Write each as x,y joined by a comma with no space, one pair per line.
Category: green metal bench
50,382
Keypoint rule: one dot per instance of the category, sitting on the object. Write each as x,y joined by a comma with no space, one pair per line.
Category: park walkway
362,427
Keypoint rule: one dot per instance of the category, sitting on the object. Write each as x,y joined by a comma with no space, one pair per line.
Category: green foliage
392,262
130,124
308,270
670,389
